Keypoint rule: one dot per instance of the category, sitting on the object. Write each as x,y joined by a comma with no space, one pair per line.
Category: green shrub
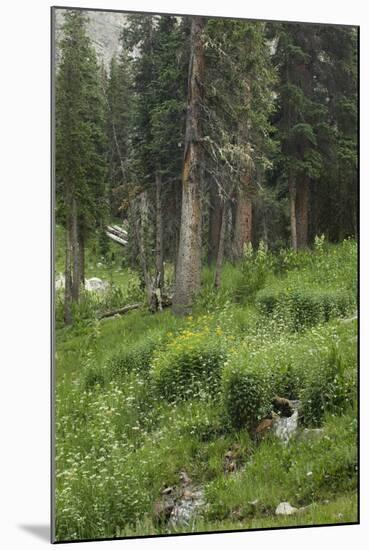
94,376
267,300
330,387
247,391
303,308
134,358
189,366
303,366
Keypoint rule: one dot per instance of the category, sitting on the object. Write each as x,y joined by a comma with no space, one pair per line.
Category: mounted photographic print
205,241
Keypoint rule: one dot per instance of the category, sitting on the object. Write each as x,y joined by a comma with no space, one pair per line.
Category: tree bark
302,213
215,219
68,273
242,232
188,272
220,254
159,252
81,260
139,222
292,194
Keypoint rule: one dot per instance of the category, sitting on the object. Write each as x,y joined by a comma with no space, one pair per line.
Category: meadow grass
121,439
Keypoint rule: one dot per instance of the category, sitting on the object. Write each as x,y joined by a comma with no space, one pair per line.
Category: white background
25,261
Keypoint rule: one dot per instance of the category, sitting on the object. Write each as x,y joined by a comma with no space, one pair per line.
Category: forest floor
133,442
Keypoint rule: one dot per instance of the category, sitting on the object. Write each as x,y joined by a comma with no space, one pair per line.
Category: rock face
104,29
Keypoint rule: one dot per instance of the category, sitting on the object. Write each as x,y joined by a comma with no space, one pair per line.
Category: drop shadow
40,531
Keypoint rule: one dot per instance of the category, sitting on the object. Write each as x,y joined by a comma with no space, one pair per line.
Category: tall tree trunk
68,273
81,260
159,252
215,217
75,252
220,254
292,194
302,213
188,272
139,221
242,232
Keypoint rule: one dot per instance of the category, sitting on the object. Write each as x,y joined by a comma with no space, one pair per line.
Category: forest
205,257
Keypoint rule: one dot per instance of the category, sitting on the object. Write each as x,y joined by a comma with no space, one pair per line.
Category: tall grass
121,439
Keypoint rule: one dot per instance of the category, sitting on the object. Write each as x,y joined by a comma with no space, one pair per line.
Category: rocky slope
104,29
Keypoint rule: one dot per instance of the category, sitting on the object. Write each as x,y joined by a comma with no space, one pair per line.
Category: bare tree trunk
220,254
68,274
302,213
188,272
159,252
139,220
75,252
81,260
215,215
242,232
292,193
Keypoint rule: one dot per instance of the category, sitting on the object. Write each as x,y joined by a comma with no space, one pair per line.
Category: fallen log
116,238
116,230
120,311
119,230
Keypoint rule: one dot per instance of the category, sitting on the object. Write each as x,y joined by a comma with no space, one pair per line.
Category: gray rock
95,285
285,509
285,427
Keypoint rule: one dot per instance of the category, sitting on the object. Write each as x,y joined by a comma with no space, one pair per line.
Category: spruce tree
80,149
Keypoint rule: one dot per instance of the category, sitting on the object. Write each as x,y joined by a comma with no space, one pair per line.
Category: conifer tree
80,149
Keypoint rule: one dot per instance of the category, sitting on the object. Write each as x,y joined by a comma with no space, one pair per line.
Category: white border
24,254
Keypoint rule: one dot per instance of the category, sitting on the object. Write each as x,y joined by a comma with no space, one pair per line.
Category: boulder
285,427
285,509
95,285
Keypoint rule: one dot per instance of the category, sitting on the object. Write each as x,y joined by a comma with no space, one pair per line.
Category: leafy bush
318,367
247,392
189,366
330,387
267,300
302,308
134,358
